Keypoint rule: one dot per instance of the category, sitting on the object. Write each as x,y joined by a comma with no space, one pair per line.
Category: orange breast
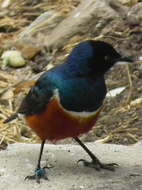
55,123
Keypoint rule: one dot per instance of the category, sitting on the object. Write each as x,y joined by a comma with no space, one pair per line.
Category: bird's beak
124,60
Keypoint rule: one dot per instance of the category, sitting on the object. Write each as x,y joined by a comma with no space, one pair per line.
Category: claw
40,173
110,166
81,160
98,165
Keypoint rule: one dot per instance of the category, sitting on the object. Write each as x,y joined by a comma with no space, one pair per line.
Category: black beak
124,60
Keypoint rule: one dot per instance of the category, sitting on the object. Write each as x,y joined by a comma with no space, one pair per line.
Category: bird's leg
95,163
39,172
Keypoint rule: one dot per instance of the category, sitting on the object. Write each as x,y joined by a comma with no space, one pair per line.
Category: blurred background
36,35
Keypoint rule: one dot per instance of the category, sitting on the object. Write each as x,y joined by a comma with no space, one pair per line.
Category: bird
65,102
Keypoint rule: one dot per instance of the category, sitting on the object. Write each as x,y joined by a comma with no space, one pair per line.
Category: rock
20,160
129,2
89,17
44,19
13,58
106,20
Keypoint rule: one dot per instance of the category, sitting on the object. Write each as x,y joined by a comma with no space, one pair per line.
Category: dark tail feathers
12,117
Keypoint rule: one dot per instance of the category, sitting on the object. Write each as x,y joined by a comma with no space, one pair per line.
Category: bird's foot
98,165
40,173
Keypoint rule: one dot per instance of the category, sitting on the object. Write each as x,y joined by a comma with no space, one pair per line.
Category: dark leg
40,154
39,172
95,161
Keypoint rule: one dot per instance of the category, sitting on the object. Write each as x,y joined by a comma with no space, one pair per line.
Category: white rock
20,160
13,58
114,92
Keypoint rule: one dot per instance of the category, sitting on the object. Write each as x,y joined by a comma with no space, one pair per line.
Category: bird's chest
82,94
56,123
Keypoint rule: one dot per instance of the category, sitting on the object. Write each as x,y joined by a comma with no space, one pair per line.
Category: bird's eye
106,58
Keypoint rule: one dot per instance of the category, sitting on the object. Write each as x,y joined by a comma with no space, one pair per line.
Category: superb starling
66,100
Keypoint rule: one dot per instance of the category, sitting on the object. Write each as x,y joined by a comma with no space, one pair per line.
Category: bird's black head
95,57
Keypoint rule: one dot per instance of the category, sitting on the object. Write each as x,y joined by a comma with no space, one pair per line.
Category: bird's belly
56,123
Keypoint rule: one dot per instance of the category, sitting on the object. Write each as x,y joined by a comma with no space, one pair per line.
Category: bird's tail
12,117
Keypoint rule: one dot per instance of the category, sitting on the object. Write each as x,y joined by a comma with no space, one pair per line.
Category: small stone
13,58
